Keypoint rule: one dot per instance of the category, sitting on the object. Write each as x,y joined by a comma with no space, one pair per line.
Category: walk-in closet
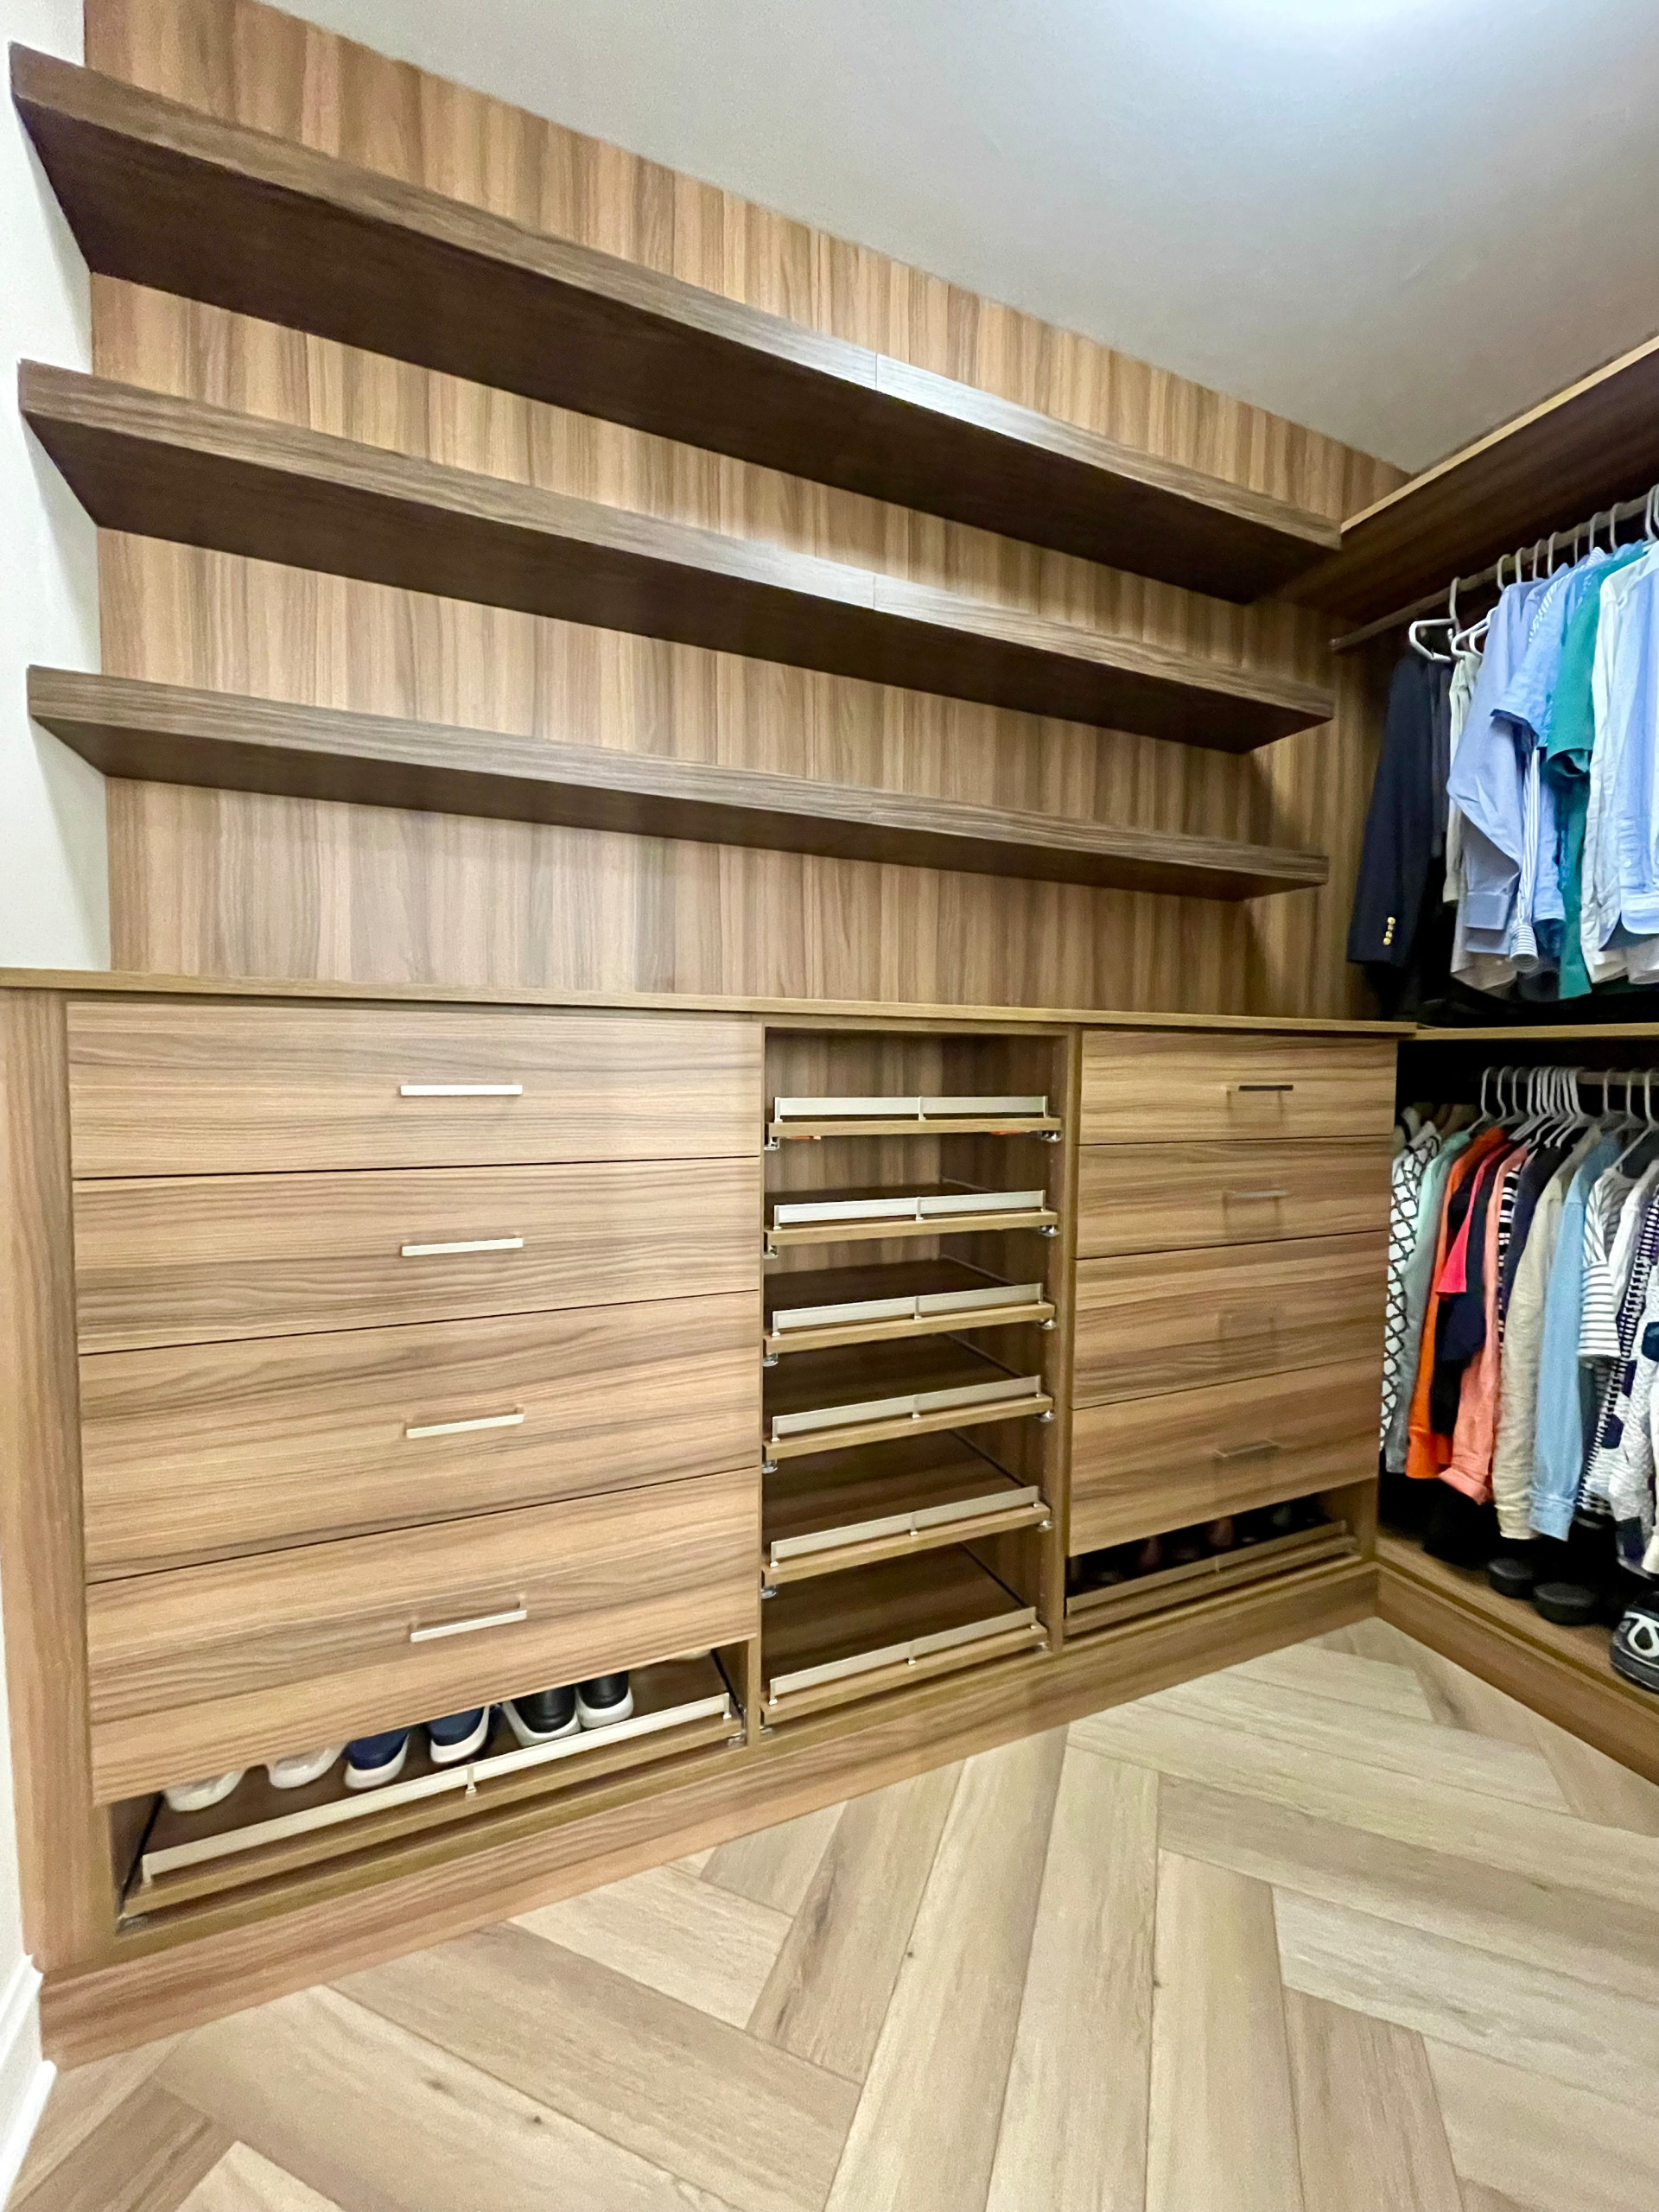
829,1127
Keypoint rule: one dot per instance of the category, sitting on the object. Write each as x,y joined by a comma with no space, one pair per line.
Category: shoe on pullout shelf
603,1699
544,1716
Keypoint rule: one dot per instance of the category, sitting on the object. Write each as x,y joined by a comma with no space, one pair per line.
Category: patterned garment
1613,1400
1406,1183
1505,1231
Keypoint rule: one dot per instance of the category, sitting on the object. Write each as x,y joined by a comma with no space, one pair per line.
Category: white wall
54,877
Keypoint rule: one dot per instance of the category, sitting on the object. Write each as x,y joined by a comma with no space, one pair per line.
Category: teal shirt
1569,744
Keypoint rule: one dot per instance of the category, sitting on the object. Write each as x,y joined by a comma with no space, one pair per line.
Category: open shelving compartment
259,1834
914,1338
1106,1589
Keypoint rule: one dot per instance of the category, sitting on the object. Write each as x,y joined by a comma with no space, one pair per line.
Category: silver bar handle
460,1090
1254,1194
461,1427
1263,1450
468,1627
470,1244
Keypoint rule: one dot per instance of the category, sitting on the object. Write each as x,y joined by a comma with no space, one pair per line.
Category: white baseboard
26,2078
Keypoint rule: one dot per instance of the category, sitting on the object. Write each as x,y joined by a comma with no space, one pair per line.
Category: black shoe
1569,1604
603,1699
1635,1645
543,1716
1513,1573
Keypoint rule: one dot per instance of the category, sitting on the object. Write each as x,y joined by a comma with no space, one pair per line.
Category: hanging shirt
1406,1184
1470,1467
1419,1275
1513,1452
1428,1449
1568,747
1565,1399
1488,782
1524,705
1613,1407
1624,731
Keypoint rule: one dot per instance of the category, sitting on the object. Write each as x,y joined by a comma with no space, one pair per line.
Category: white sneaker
301,1767
197,1797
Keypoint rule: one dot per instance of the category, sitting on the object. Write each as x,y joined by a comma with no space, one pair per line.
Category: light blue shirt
1636,792
1525,707
1565,1388
1488,783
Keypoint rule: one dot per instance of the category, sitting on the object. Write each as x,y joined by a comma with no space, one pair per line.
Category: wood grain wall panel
232,882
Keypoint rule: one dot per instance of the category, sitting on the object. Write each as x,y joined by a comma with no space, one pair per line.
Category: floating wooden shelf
173,468
887,1626
679,1705
1207,1578
879,1212
877,1304
159,733
167,196
1595,442
829,1401
840,1509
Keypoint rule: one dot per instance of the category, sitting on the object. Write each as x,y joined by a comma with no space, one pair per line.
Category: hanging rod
1625,511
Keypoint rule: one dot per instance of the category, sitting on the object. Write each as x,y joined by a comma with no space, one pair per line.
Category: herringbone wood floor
1339,1931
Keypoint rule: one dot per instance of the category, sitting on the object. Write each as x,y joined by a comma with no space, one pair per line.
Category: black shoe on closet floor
1635,1645
1569,1604
1513,1573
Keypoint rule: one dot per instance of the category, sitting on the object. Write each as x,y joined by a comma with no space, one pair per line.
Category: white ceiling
1399,221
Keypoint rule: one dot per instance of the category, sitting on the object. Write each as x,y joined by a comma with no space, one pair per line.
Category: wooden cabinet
1173,1320
1141,1465
1187,1086
203,1089
191,1259
1157,1197
197,1450
209,1668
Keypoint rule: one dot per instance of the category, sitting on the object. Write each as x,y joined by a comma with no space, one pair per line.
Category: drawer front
1142,1465
1173,1321
1246,1084
214,1667
201,1452
159,1088
1160,1198
192,1260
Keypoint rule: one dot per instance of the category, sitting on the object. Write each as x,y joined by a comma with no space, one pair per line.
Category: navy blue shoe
458,1735
372,1761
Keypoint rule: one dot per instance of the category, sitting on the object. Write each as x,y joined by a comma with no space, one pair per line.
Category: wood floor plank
1597,1788
1459,1700
1517,1916
676,1933
145,2156
775,1866
1527,1840
1074,2117
1383,1686
828,1993
924,2136
1368,2121
1390,1742
734,2115
1477,2199
243,2182
1223,2124
1552,2024
380,2120
1551,2148
80,2100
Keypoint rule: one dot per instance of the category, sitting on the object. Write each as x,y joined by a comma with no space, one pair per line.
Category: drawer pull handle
460,1090
468,1627
1255,1194
472,1244
1264,1086
461,1427
1263,1450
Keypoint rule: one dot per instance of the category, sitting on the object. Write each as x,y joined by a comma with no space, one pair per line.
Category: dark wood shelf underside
167,196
